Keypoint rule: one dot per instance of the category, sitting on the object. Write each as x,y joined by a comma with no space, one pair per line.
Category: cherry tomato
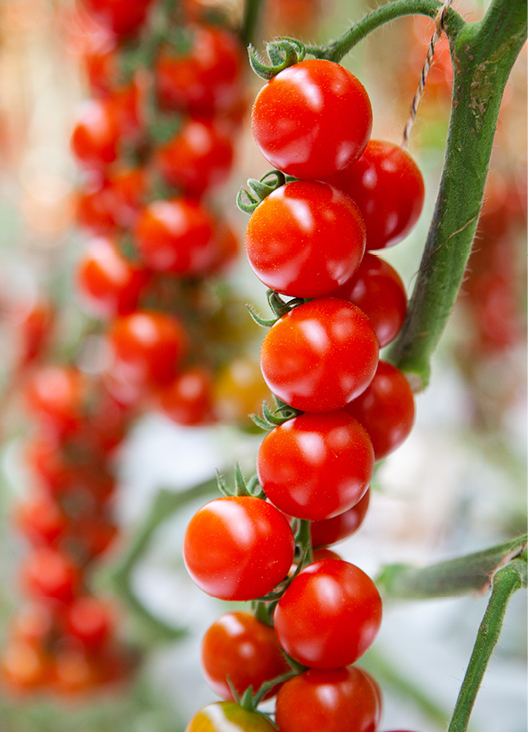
108,283
41,521
377,289
296,119
207,78
95,136
388,188
34,332
227,249
305,239
148,347
340,527
33,625
320,355
242,648
385,409
50,574
334,700
239,390
89,619
197,159
238,548
224,716
75,671
329,615
188,400
316,466
176,236
121,16
56,394
24,667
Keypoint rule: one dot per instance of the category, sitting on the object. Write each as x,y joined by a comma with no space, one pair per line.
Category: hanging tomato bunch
334,195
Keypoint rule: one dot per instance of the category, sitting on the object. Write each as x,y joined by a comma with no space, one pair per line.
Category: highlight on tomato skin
238,548
333,700
305,100
329,615
305,239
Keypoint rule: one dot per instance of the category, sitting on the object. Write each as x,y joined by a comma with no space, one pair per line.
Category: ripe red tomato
89,620
108,283
329,615
121,16
112,201
316,466
320,355
205,80
34,330
241,647
56,394
176,236
148,347
50,574
305,239
389,190
296,119
188,400
332,530
377,289
238,548
385,409
33,624
24,667
224,716
334,700
95,136
41,520
197,159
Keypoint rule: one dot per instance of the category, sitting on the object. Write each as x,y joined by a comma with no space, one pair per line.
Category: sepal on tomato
282,53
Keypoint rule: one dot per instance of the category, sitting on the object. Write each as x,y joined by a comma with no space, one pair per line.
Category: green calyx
250,488
282,53
257,190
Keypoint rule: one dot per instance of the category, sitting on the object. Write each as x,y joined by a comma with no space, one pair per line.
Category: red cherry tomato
109,284
329,615
34,332
332,530
305,239
388,188
33,624
50,574
320,355
316,466
188,400
56,394
95,137
41,521
296,119
176,236
24,667
121,16
89,620
228,716
334,700
148,347
377,289
207,78
197,159
238,548
385,409
242,648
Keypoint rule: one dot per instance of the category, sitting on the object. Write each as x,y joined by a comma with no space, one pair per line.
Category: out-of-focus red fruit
188,400
56,395
41,520
51,575
121,16
90,620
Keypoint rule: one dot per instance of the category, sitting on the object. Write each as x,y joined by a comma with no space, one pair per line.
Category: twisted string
439,27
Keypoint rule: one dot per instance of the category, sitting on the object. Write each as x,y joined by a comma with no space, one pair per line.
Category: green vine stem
459,576
506,582
165,505
250,20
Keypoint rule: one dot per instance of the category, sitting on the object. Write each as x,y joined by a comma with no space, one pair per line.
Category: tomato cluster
339,408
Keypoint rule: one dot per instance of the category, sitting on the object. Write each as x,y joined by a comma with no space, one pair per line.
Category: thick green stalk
506,582
483,54
459,576
250,21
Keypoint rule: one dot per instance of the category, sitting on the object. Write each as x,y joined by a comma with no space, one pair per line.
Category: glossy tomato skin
329,615
332,530
95,136
148,347
241,647
108,283
121,16
197,159
316,466
177,236
188,400
320,355
238,548
207,79
305,239
377,289
334,700
295,119
385,409
224,716
389,190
